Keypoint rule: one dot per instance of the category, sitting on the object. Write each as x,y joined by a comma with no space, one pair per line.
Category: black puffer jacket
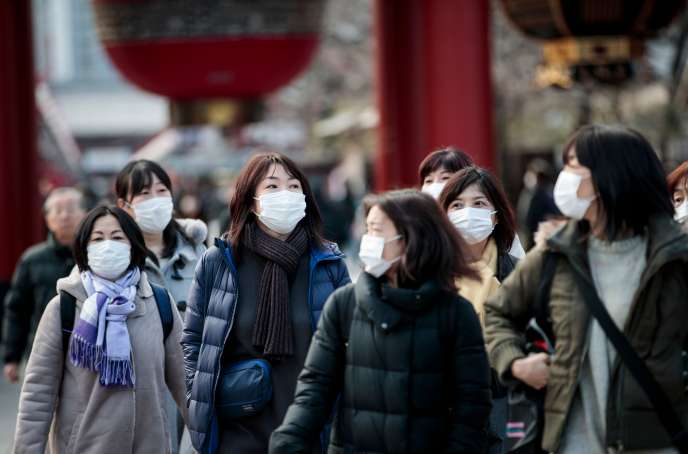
410,365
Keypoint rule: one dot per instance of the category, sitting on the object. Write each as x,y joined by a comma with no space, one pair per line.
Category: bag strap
162,301
665,411
542,315
67,312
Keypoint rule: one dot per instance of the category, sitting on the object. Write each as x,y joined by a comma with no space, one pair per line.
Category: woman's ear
121,203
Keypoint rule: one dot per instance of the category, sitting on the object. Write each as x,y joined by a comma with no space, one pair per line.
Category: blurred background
356,91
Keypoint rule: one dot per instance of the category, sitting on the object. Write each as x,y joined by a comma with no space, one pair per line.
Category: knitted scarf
272,332
100,341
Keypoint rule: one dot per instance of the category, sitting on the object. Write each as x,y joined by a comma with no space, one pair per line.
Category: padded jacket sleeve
194,320
19,308
508,312
319,383
343,277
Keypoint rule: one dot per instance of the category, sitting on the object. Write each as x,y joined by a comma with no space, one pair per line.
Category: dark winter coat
209,317
33,286
411,368
656,328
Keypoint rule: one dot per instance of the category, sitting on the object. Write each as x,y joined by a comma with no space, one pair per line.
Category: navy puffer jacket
209,317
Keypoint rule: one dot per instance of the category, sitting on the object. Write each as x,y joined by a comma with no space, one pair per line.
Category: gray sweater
616,270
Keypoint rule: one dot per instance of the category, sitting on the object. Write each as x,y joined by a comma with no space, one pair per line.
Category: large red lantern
197,49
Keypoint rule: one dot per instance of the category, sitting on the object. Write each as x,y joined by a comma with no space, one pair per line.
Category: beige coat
477,292
73,413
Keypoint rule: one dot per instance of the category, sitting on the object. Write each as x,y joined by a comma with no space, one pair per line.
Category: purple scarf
100,341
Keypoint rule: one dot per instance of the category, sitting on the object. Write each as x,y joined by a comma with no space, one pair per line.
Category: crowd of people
141,336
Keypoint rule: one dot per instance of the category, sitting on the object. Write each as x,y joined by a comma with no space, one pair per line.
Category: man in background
35,277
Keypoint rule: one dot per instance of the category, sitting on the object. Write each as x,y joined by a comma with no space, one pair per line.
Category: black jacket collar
387,306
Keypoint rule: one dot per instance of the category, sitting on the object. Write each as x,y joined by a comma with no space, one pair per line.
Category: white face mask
154,214
566,195
282,211
370,254
682,212
474,224
109,259
434,189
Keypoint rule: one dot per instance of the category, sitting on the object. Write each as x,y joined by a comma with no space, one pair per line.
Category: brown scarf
272,331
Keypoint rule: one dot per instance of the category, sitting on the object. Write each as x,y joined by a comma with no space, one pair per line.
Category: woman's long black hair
627,174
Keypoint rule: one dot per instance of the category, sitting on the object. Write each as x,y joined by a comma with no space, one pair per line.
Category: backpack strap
67,312
162,301
666,413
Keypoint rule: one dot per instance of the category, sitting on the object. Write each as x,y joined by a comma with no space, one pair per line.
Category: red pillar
434,86
21,221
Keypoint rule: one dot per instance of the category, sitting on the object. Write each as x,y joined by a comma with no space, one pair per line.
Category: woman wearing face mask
401,347
254,305
105,395
144,190
678,187
477,206
623,245
439,167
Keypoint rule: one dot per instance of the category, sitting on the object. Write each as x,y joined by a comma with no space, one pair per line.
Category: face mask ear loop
592,197
395,238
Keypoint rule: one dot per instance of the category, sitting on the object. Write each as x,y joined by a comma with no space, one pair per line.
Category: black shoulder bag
665,411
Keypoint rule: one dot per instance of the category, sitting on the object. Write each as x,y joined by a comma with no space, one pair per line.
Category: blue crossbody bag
245,389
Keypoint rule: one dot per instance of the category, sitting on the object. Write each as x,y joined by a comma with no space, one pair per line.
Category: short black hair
139,252
505,229
434,248
450,158
627,174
